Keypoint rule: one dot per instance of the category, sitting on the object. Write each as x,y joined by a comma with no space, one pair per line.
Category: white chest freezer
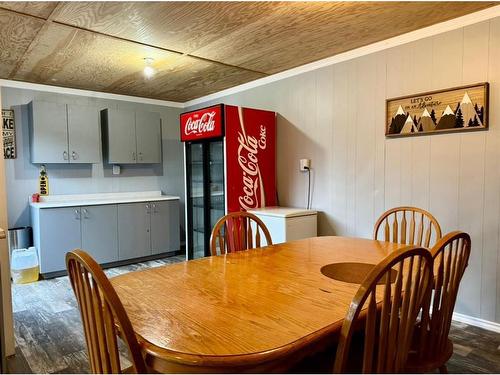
288,223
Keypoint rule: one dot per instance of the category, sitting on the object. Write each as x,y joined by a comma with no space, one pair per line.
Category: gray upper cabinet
83,134
61,133
131,137
148,135
48,132
118,127
100,232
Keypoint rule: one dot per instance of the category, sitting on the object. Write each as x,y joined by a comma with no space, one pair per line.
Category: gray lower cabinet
134,222
164,226
100,232
59,233
109,233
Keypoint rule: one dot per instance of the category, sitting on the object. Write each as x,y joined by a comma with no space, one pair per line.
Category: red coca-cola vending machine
230,165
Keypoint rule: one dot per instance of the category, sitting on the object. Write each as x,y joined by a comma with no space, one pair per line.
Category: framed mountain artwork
445,111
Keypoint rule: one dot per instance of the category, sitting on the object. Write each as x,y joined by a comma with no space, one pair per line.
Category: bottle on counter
43,181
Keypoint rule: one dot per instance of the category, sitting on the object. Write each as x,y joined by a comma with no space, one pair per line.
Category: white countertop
282,211
53,201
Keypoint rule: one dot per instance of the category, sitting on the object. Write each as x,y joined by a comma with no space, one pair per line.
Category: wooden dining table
259,310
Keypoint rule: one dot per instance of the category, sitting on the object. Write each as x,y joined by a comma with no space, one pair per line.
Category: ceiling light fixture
149,71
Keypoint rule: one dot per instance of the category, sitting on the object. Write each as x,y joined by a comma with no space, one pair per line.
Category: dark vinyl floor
49,335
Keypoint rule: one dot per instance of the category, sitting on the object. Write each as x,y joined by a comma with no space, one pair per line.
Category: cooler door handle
65,155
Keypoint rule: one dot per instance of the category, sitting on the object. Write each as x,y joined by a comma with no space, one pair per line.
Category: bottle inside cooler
197,200
217,209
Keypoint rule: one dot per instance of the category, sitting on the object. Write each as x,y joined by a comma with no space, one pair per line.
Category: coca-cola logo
248,160
204,124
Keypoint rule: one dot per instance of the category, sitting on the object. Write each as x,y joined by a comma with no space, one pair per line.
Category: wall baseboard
477,322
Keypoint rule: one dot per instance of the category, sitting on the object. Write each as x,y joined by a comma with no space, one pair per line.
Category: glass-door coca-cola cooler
229,166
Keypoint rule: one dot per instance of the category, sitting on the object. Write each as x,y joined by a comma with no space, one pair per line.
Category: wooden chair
408,226
389,324
236,232
432,348
100,308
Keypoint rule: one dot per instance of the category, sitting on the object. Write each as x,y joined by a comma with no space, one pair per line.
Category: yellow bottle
43,181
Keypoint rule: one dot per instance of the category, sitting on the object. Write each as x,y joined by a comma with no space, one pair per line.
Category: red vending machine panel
202,124
250,158
230,155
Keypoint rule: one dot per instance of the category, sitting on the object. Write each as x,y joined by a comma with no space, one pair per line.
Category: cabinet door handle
65,155
74,155
133,156
154,208
140,156
77,214
148,210
85,213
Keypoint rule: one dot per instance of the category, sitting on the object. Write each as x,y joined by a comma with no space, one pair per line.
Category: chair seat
425,365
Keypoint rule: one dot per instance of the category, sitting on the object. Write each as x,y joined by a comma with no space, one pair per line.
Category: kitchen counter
53,201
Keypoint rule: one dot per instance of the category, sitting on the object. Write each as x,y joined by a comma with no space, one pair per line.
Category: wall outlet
116,169
305,164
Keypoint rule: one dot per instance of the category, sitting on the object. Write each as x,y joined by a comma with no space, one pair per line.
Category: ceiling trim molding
88,93
438,28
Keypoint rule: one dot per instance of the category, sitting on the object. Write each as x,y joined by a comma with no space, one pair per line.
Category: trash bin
20,238
24,266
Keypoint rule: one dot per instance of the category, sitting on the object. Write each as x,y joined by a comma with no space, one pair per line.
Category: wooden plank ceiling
198,47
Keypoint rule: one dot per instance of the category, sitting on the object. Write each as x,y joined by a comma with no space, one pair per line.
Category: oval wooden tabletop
244,308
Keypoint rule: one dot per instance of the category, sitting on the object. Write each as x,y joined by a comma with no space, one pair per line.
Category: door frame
6,301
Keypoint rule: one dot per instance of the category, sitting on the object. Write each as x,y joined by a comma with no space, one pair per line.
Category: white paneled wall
336,117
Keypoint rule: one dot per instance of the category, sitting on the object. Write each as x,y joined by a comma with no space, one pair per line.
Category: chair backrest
100,308
389,324
238,231
408,226
451,256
